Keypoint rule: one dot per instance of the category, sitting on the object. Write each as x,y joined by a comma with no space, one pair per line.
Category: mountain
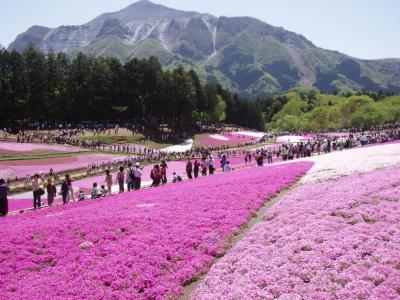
242,53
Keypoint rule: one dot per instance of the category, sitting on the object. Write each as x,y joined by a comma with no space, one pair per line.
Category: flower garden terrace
152,243
335,236
329,240
254,140
78,163
139,245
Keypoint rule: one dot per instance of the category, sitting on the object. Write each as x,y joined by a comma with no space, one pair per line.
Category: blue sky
361,28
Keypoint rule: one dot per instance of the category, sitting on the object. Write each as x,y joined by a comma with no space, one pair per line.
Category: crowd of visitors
320,143
131,178
200,162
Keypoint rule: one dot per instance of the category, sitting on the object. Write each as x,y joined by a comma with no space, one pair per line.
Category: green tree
36,76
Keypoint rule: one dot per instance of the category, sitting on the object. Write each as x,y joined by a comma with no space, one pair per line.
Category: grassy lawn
157,145
125,137
113,139
197,139
125,140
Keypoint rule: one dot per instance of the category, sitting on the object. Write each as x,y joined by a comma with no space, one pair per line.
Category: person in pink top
70,188
109,181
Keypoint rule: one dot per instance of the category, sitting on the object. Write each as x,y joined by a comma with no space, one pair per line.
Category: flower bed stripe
139,245
60,164
332,240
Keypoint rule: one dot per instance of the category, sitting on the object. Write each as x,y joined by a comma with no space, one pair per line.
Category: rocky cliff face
241,53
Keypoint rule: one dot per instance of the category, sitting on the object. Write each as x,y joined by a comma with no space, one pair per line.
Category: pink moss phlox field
27,147
331,240
233,139
139,245
20,168
86,184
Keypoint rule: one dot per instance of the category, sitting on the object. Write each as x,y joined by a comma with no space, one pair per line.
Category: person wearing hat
3,198
137,179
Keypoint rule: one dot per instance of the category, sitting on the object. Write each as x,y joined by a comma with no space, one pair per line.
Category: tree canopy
34,86
311,110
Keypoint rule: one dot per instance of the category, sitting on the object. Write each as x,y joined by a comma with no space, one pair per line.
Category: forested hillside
311,110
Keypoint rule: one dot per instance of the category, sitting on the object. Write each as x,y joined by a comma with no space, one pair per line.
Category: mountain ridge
242,53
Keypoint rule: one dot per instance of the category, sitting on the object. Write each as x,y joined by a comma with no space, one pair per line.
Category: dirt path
242,232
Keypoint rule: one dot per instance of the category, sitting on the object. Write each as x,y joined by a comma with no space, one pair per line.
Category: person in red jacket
163,170
155,175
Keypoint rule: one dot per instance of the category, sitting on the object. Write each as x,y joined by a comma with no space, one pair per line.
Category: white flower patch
52,215
354,161
250,133
185,146
290,139
149,205
219,137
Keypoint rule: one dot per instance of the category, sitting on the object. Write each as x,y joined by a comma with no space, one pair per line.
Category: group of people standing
206,165
159,174
132,178
39,188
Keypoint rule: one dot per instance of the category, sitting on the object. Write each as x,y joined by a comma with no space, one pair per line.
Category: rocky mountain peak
242,53
145,10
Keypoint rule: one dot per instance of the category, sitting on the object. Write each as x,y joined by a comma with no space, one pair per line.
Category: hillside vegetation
311,110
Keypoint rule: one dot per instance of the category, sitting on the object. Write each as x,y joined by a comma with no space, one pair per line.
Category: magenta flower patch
231,139
33,147
20,168
138,245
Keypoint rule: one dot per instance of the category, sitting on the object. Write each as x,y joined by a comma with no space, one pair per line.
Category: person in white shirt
109,181
38,191
96,192
211,163
137,176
